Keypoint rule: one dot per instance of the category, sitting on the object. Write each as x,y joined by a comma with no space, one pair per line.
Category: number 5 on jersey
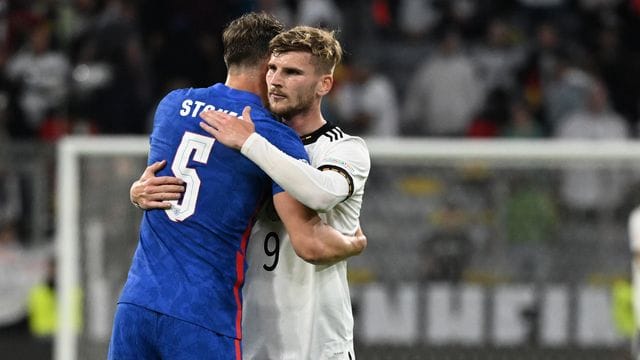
201,147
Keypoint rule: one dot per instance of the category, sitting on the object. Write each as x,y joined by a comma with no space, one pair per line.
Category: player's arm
313,240
155,192
317,189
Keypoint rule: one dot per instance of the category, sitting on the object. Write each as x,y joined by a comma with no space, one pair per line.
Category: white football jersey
294,310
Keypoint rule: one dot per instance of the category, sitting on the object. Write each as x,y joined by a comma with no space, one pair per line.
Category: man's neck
306,123
248,79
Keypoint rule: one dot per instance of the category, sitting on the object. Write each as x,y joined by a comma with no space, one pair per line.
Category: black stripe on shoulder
342,172
334,134
329,130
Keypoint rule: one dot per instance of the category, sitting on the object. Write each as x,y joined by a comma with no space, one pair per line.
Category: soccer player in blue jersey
182,298
294,309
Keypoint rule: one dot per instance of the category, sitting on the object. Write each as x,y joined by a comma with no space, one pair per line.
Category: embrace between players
270,204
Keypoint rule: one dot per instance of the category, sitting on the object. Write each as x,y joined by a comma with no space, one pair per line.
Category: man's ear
325,85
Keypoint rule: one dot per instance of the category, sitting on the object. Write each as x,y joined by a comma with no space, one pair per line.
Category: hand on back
230,130
155,192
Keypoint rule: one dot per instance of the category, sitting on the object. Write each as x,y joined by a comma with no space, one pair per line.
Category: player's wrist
358,243
249,142
136,204
243,139
133,198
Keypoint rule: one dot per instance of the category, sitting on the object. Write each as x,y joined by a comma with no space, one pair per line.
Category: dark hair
246,39
320,43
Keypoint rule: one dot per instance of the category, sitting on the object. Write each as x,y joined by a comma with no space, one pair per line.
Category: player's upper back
195,251
223,189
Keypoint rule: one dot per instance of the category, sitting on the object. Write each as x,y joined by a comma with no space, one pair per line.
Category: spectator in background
466,16
497,57
112,50
566,92
521,122
531,12
73,19
619,67
40,74
493,116
10,200
443,93
281,9
4,114
538,67
183,42
367,101
416,18
319,13
592,189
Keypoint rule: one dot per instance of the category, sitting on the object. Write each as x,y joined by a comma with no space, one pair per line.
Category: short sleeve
349,156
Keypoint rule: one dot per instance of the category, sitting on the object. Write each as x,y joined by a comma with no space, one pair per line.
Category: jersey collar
242,96
313,137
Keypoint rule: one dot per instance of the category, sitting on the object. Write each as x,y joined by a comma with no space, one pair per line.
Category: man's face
292,83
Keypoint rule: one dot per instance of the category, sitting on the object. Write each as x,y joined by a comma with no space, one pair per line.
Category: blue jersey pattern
193,268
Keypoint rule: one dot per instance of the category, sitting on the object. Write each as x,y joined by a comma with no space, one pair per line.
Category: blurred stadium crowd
478,68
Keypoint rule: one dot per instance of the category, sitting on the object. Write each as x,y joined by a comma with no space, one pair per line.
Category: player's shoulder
173,95
200,93
182,92
177,96
264,118
269,126
165,108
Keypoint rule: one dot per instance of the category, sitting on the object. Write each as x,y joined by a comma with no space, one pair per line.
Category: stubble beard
288,112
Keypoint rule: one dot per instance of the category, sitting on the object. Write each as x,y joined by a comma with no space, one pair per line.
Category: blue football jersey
190,260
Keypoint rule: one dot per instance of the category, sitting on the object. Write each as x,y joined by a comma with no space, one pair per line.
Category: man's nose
276,79
275,82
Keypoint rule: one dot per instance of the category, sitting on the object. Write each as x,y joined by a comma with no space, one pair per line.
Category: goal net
476,248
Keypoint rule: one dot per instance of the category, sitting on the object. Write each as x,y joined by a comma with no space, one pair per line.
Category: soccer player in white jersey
294,309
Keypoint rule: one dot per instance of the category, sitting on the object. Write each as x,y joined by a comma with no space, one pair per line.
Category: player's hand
228,129
359,241
155,192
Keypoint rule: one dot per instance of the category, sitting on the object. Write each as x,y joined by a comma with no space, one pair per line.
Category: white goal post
405,150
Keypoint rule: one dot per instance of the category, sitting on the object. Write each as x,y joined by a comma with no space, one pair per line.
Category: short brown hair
246,39
322,44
